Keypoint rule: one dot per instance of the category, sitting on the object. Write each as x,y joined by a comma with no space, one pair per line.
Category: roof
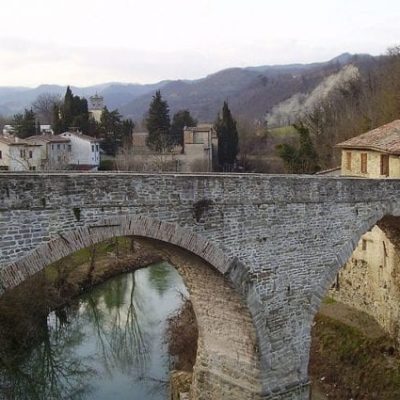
384,139
81,135
15,141
200,128
48,138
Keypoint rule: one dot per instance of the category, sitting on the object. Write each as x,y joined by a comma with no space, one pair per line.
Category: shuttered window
348,161
364,169
384,164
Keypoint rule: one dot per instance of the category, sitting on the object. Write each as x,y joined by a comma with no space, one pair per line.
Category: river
109,343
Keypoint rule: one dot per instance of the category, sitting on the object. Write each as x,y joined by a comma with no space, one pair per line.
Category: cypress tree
67,109
228,139
158,124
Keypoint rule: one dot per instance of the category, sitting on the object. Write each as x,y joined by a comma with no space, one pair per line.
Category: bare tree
44,105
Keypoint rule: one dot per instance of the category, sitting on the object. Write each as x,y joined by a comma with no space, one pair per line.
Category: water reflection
108,344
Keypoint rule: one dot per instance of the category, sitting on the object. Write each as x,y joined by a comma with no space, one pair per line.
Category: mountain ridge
251,91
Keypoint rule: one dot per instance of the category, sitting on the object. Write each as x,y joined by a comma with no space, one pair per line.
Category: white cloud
85,42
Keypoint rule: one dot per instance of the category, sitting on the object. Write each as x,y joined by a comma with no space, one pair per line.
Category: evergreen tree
72,112
158,125
67,109
302,159
115,132
228,139
25,124
181,119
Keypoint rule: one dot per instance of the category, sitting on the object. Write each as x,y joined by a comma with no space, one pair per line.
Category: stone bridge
278,240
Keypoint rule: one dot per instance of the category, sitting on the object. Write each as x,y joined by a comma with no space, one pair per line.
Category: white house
85,150
18,154
55,151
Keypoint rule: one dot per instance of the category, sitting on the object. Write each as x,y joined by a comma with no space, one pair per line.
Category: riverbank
352,357
24,310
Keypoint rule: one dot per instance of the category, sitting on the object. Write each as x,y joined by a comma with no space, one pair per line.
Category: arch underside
227,362
70,241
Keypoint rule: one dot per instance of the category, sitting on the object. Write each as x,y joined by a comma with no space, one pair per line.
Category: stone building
370,279
200,148
374,154
96,107
198,153
19,154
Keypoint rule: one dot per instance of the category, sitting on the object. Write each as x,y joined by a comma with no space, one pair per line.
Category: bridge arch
69,241
214,373
343,253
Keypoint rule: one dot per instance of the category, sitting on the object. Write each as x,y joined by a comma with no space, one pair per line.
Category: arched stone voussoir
67,242
344,252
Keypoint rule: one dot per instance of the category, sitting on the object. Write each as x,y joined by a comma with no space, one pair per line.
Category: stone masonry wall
370,280
227,361
280,240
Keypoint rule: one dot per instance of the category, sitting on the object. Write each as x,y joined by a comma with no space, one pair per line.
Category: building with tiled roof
374,154
55,151
367,281
19,154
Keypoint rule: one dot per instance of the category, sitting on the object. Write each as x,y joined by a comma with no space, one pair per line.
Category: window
348,161
58,147
22,153
198,138
93,148
364,244
32,168
1,155
69,147
364,159
52,146
30,154
97,147
384,164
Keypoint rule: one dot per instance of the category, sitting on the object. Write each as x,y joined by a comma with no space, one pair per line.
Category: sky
86,42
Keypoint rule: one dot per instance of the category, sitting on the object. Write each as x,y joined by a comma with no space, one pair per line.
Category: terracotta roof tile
385,139
48,138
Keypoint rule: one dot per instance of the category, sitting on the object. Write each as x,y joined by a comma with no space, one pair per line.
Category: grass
283,131
352,365
329,300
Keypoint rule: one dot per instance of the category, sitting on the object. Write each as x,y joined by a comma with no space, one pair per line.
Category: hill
252,92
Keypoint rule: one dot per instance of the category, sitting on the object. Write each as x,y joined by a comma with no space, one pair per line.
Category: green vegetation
72,112
300,159
25,124
228,139
158,125
329,300
348,364
115,131
181,119
283,132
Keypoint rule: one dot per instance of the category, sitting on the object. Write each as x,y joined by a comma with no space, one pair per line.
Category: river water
109,344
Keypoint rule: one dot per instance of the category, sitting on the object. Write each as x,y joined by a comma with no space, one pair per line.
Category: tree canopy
181,119
228,138
115,131
301,159
73,111
158,124
25,124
